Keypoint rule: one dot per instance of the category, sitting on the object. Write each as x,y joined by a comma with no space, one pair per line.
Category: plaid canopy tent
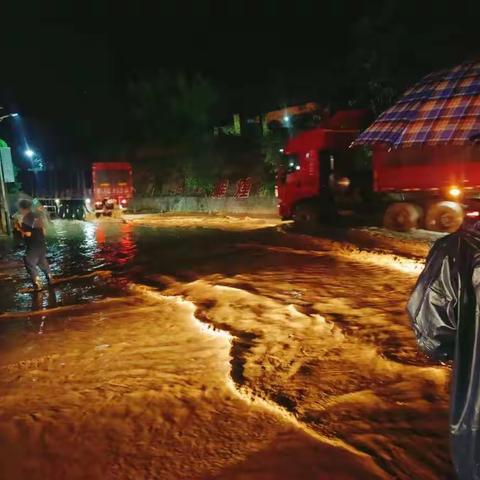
442,108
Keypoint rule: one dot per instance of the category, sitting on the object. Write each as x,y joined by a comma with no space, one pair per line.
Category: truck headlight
454,192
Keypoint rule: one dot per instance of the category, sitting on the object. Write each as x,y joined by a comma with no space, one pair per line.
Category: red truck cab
319,168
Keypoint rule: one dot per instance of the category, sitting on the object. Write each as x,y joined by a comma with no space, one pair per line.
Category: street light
3,117
29,153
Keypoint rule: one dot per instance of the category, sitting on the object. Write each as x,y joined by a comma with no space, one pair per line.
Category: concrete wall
227,205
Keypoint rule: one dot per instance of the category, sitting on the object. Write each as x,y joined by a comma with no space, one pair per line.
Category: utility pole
5,207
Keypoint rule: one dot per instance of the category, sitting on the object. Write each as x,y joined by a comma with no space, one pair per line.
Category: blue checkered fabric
444,107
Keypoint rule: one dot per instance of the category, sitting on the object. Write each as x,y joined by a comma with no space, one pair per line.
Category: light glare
454,191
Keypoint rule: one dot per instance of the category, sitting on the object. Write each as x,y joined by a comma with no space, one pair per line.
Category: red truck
112,187
432,188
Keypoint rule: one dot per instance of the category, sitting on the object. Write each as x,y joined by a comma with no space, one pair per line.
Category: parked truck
103,191
112,187
323,178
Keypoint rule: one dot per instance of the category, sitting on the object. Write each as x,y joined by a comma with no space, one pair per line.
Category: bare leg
31,261
44,266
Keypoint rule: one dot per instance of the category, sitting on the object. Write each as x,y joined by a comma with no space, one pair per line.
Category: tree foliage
173,112
392,49
271,146
172,108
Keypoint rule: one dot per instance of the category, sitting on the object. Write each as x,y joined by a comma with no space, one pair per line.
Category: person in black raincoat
445,313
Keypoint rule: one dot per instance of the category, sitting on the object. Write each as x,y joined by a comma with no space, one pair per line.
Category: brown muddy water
187,348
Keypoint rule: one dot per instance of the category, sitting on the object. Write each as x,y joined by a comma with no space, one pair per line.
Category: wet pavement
189,347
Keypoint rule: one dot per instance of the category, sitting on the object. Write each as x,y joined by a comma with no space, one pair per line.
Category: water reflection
44,299
127,251
116,246
90,236
74,249
77,247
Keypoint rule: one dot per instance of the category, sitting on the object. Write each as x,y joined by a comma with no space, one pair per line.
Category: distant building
288,116
301,116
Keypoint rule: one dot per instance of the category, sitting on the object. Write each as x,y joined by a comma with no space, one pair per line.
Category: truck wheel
402,217
444,217
305,215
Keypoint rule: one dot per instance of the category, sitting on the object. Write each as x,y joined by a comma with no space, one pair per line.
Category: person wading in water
32,229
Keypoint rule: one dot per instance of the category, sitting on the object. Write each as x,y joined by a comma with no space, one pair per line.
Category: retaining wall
251,205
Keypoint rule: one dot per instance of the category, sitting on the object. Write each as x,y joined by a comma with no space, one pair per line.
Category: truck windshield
291,163
112,177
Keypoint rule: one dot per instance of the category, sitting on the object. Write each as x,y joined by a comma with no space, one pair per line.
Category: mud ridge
241,344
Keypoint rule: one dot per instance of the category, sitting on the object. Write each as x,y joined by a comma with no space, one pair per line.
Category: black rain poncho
444,312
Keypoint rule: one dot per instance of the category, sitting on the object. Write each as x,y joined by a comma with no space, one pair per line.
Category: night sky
69,62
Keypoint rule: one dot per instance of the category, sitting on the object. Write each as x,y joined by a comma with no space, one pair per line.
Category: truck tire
402,216
444,217
305,215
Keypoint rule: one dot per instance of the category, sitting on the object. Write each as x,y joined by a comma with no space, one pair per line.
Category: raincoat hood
470,234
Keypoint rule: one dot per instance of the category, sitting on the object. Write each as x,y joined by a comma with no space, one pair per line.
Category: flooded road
207,348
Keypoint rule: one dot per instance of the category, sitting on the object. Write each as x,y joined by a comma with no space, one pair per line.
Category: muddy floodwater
215,348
